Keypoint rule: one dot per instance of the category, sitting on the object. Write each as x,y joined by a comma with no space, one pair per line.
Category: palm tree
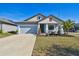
68,25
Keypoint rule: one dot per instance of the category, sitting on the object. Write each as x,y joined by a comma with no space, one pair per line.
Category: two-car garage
28,28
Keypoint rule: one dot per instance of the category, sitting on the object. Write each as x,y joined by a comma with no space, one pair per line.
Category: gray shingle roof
44,17
7,21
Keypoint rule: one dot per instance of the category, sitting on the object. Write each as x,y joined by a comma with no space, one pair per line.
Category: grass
5,34
57,45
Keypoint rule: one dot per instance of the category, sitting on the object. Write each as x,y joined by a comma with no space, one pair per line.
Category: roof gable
51,19
34,18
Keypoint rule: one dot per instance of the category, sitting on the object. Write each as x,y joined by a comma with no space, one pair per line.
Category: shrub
1,31
13,32
16,31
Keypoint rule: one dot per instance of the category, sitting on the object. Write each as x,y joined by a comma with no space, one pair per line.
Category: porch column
46,28
18,28
56,29
38,28
61,29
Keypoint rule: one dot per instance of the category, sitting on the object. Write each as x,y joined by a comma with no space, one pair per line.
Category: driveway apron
17,45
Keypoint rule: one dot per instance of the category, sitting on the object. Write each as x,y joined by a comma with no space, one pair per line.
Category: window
51,27
50,19
39,17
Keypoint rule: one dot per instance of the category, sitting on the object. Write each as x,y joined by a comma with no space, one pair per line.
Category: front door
42,27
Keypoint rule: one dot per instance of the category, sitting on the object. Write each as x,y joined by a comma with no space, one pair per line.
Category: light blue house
40,24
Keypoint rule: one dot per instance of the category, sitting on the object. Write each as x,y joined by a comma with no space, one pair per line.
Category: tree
68,25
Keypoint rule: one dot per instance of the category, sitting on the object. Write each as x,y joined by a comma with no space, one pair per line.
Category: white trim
46,28
38,28
18,27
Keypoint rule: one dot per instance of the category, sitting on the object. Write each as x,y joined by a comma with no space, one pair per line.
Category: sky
22,11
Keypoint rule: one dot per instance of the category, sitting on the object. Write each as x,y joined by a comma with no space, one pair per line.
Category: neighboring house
76,27
7,25
40,24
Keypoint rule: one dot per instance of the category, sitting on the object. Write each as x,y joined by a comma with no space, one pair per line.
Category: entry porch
47,28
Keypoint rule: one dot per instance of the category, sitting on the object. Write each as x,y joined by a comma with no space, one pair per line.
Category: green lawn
5,34
57,45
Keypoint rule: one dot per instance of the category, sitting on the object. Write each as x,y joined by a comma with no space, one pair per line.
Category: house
40,24
7,25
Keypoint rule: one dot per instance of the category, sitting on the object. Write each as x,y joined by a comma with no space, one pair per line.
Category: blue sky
22,11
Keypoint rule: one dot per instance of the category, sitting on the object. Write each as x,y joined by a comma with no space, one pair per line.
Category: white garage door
29,28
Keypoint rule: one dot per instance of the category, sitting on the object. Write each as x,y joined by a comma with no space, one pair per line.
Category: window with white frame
51,27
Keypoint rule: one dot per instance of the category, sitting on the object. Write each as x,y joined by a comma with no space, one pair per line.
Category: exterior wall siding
8,28
34,19
46,21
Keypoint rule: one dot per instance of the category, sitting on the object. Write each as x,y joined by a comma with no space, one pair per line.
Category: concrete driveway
17,45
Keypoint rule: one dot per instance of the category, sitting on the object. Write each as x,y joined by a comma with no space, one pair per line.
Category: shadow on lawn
65,35
57,50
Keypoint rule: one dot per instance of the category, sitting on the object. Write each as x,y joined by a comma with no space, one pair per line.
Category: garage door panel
29,29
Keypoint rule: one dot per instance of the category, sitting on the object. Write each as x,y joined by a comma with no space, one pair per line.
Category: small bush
1,31
16,31
13,32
